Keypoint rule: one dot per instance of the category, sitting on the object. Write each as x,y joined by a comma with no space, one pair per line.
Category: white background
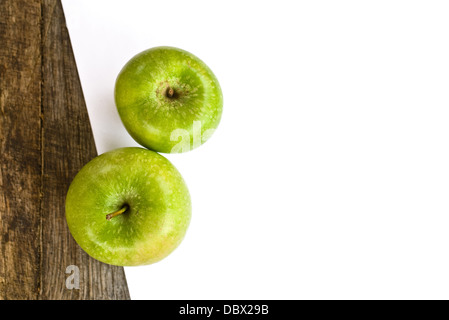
328,176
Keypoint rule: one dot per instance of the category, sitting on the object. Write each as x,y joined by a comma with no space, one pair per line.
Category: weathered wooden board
45,139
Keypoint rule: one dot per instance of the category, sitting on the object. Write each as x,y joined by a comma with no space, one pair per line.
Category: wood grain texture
20,143
45,139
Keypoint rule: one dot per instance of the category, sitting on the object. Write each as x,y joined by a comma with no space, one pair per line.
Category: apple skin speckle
150,115
159,207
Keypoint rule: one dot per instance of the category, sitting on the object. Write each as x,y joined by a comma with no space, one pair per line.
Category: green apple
128,207
168,100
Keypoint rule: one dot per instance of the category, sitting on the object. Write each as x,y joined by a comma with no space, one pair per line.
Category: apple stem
170,92
119,212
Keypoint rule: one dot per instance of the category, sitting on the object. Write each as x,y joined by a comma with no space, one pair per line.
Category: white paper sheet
328,175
